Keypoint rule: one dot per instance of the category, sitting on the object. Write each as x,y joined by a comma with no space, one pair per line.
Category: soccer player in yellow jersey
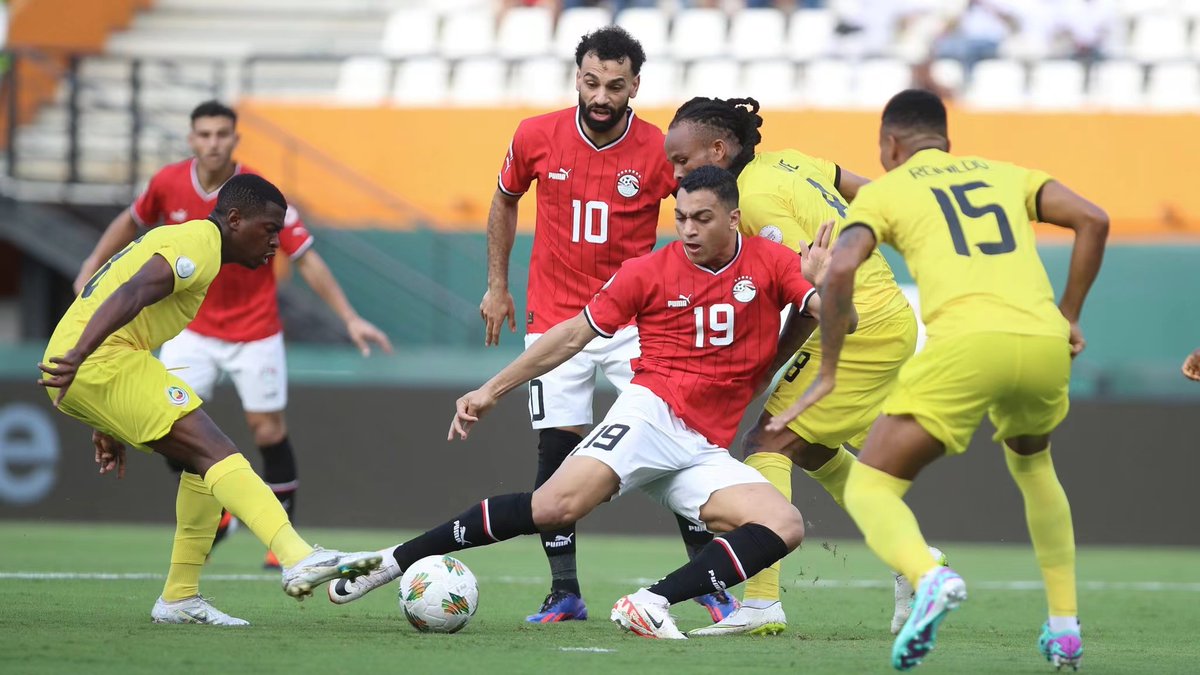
98,368
786,196
997,344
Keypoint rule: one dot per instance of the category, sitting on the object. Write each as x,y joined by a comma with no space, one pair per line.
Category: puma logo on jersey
561,174
179,215
683,301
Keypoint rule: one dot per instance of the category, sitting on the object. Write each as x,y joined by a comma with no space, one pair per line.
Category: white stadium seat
828,83
811,34
468,33
544,81
1056,85
410,32
997,84
1158,37
362,80
1174,87
421,82
524,32
573,24
878,80
1116,85
948,73
660,84
757,34
771,83
712,77
479,82
699,34
649,26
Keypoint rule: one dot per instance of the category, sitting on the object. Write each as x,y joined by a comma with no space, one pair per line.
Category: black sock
554,445
695,537
729,560
492,520
279,473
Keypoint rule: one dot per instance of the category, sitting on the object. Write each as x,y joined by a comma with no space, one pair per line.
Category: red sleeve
147,208
617,302
517,172
295,239
793,287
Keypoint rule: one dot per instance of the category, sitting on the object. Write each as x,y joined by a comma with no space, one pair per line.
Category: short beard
597,126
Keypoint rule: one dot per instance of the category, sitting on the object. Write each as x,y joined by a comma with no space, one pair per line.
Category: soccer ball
438,594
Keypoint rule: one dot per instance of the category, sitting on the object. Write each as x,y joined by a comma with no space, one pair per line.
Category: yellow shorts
1021,381
870,363
128,394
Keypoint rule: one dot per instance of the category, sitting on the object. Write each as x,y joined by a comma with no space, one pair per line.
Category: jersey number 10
591,219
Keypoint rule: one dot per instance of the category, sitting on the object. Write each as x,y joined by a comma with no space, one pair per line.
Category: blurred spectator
616,6
1086,26
976,33
871,28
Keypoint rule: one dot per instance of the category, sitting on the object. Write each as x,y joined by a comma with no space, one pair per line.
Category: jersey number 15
1007,243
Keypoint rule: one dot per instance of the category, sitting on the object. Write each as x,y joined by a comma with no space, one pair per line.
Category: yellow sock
833,475
197,514
247,497
777,469
1048,515
875,501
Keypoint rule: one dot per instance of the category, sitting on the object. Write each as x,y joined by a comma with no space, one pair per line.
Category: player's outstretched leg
720,604
906,594
565,601
197,513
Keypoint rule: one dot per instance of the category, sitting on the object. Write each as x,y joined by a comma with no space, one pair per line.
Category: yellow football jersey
193,250
786,195
963,226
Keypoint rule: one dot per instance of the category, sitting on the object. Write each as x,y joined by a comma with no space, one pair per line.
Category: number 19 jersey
963,226
596,206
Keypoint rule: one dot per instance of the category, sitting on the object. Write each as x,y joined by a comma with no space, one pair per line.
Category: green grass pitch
59,613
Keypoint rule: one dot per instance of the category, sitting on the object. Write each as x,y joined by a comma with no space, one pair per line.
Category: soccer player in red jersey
601,176
237,330
708,311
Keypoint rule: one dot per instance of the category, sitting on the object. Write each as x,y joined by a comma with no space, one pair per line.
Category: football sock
875,501
279,473
1059,624
832,476
492,520
777,469
695,536
726,562
554,445
1048,515
196,515
247,497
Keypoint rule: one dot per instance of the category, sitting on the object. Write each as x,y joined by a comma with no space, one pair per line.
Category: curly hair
611,43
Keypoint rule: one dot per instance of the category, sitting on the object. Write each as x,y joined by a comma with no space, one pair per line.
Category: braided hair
734,118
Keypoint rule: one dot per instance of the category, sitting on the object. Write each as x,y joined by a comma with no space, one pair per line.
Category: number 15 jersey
963,226
596,206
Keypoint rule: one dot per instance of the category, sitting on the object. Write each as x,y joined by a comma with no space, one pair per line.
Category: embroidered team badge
177,396
629,183
184,267
772,233
744,289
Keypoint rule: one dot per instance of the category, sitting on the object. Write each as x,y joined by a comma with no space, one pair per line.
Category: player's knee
267,428
554,510
788,526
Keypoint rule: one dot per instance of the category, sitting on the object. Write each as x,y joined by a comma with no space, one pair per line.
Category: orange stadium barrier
399,166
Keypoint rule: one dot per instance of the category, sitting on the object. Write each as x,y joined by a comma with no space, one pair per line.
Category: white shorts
648,447
258,369
563,396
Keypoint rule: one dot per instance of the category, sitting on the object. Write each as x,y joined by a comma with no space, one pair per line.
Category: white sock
759,604
1059,624
646,596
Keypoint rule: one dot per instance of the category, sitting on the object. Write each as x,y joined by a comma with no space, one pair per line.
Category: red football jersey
596,206
707,337
241,305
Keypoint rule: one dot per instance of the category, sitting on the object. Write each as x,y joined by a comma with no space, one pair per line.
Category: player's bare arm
849,183
838,316
497,305
153,282
122,230
362,332
553,349
1058,205
1191,366
110,453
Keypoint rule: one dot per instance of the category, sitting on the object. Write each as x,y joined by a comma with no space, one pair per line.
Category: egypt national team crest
629,183
177,396
744,289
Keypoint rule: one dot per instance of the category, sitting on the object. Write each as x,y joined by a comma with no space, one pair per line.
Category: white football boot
905,593
323,565
746,620
645,617
343,591
196,609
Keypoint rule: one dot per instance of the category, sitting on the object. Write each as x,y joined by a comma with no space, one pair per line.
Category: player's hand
1191,366
62,373
814,258
468,410
363,332
110,453
1078,343
819,389
495,308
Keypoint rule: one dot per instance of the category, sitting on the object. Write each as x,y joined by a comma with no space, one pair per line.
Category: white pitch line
590,650
1149,586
